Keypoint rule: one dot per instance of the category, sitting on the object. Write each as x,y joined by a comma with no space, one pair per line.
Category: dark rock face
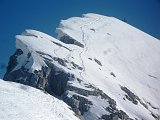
68,40
113,74
116,116
13,60
82,105
98,62
41,79
79,104
132,97
60,45
76,66
157,117
23,76
57,82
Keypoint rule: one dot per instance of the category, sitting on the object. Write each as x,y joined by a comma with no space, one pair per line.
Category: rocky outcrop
116,116
132,97
13,60
57,82
68,40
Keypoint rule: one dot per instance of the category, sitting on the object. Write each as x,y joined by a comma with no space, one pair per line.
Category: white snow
132,55
21,102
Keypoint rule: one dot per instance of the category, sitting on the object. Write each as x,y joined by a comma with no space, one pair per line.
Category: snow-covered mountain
100,66
21,102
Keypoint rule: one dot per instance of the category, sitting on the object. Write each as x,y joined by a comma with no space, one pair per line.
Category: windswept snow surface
21,102
115,54
132,55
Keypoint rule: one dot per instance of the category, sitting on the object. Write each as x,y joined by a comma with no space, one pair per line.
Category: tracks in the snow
84,39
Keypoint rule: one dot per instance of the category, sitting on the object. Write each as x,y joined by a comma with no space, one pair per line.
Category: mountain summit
103,68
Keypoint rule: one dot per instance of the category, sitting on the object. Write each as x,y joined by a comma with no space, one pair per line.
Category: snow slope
131,54
21,102
101,51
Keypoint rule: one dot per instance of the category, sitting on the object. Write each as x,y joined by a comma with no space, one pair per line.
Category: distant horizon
44,16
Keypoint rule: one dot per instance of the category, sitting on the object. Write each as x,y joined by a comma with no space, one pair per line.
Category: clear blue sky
45,15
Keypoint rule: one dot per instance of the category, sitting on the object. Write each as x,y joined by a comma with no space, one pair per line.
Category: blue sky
45,15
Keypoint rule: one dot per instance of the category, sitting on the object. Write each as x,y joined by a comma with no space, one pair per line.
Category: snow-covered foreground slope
21,102
100,66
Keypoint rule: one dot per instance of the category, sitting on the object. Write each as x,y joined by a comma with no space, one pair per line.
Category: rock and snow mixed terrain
100,66
21,102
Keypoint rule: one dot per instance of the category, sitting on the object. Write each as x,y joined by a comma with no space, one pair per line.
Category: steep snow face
100,66
21,102
127,56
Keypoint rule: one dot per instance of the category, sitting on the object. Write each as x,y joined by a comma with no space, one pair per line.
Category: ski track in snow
84,37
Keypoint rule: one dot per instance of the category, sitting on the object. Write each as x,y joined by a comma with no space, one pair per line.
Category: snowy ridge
100,66
21,102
